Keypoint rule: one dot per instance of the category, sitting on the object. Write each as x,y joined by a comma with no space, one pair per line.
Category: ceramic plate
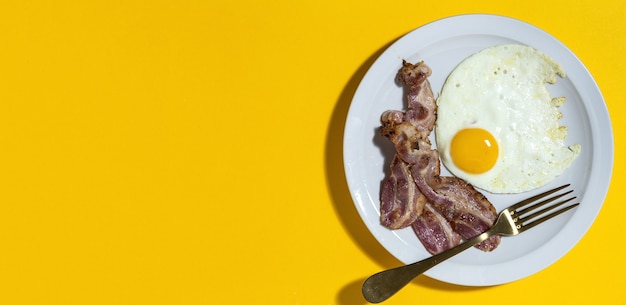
442,45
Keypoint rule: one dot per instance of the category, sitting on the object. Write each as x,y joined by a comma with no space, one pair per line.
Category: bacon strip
401,201
421,102
441,210
434,231
468,211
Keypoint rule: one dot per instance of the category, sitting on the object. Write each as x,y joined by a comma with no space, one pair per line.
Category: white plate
442,45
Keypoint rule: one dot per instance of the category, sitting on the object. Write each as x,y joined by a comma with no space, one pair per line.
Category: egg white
502,89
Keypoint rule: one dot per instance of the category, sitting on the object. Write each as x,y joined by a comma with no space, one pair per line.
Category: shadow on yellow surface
342,201
350,294
335,175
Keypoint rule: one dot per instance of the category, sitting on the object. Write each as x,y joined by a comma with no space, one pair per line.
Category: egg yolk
474,150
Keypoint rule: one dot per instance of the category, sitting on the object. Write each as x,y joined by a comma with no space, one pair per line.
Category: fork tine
525,227
534,198
543,211
540,204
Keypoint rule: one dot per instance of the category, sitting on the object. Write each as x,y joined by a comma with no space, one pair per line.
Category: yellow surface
189,152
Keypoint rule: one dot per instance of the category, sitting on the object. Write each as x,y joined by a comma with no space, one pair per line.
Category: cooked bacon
401,201
434,231
469,212
421,102
441,210
406,129
404,136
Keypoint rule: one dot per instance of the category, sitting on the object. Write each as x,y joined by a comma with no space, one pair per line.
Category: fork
511,221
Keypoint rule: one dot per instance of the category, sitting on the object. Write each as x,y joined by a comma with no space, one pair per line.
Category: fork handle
384,284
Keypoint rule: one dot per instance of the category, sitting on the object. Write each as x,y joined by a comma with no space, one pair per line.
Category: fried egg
497,125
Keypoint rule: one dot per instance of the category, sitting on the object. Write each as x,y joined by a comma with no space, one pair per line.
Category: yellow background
189,152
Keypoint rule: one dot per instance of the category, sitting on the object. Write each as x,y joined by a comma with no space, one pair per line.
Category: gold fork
511,221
